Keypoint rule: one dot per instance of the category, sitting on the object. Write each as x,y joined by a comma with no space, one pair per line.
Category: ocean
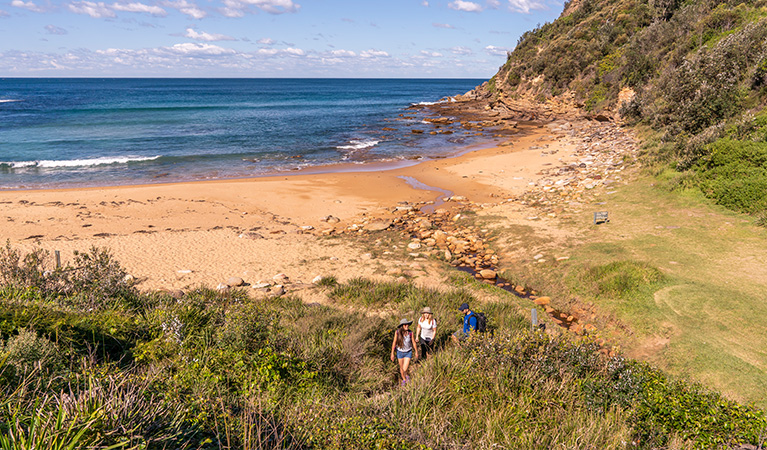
57,133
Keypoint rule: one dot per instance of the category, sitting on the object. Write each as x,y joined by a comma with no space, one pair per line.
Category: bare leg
404,367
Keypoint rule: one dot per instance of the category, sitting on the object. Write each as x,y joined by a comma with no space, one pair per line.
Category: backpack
481,321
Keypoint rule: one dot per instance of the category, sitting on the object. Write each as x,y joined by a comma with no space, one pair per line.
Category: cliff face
681,65
694,71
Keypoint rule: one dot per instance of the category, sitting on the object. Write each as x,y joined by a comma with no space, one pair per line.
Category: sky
264,38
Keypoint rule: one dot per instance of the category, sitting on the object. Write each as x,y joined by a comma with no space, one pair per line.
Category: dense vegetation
694,71
87,361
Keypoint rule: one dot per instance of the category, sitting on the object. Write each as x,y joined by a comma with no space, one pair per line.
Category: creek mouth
439,201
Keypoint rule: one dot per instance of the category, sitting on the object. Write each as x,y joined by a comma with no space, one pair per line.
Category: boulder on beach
281,278
378,225
235,281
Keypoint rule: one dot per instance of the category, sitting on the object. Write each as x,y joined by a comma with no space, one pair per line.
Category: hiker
404,348
470,323
425,332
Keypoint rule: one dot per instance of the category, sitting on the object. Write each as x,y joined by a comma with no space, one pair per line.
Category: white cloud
53,29
97,10
285,52
461,5
443,25
492,50
494,4
265,41
432,54
204,59
425,3
27,5
196,49
374,54
203,36
3,13
343,53
139,8
525,6
461,51
186,7
238,8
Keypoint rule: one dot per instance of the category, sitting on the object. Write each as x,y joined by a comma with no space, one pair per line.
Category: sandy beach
171,236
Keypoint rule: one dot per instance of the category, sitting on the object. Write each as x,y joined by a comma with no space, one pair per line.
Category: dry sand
172,236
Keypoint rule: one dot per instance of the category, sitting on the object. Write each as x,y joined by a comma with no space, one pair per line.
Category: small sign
600,217
534,316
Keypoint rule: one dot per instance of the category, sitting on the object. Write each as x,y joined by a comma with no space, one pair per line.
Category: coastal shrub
658,407
246,327
324,426
734,174
98,278
103,335
95,281
27,352
30,271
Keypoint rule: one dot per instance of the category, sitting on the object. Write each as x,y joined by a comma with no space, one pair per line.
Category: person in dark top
404,349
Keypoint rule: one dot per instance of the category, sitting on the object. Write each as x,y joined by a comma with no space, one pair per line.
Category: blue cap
463,306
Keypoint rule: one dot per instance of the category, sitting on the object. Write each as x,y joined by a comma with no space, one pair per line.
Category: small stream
561,318
439,201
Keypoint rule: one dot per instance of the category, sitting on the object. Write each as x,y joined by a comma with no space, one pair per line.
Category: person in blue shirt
469,323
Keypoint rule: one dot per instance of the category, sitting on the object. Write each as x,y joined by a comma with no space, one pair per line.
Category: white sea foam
48,164
8,100
359,144
425,103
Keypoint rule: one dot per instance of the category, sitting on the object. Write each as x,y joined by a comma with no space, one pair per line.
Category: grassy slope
705,319
212,370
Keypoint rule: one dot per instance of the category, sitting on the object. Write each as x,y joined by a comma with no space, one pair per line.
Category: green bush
734,174
95,281
27,352
619,279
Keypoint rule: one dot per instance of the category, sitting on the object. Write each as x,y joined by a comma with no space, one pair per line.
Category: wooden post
58,258
534,317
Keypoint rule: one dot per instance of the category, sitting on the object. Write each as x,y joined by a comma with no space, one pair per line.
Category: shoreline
175,235
322,169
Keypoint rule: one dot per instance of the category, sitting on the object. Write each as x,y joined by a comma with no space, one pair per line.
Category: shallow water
93,132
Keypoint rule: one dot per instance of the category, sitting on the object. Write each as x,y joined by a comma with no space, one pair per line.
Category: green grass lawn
705,317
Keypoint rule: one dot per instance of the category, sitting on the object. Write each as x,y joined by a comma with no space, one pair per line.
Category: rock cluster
602,154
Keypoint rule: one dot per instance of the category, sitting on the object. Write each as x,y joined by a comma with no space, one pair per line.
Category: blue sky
264,38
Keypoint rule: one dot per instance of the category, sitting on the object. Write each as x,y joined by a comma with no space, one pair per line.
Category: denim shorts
407,354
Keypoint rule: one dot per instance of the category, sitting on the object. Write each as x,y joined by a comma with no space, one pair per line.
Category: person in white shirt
426,331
